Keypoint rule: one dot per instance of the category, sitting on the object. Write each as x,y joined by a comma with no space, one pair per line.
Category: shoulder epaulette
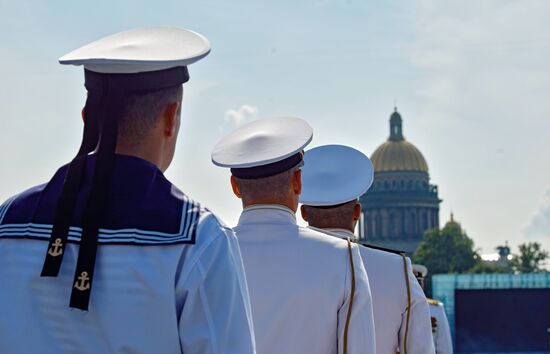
434,302
383,249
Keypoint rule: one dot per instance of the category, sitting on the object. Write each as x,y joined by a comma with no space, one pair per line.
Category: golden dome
397,154
452,223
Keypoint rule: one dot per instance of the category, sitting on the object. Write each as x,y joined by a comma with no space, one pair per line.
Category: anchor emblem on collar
83,282
56,249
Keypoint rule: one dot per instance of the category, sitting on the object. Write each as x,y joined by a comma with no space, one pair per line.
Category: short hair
272,187
141,111
331,217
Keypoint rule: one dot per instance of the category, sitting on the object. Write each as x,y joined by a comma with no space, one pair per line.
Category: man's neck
143,152
333,227
290,205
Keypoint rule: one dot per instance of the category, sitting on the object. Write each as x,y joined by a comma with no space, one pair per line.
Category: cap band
146,81
331,206
268,170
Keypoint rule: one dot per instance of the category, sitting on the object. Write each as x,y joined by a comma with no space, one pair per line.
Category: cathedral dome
397,154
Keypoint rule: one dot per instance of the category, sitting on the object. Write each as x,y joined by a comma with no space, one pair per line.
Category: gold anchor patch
56,249
83,283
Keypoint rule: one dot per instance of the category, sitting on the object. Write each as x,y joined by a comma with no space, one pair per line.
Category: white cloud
539,225
243,114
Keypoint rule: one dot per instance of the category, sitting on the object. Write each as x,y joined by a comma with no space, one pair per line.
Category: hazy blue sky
471,80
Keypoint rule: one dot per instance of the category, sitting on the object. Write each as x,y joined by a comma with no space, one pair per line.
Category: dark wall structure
502,320
496,313
402,204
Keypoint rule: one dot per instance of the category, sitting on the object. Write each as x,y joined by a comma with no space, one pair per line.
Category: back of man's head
342,216
283,188
142,112
149,124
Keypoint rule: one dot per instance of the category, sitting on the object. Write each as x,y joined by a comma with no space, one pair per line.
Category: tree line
450,250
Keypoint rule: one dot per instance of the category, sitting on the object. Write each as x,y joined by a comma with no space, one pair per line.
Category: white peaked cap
262,142
334,174
140,50
419,268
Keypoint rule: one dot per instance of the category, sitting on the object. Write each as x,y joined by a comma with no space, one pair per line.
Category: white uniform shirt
149,296
166,299
389,298
442,336
299,283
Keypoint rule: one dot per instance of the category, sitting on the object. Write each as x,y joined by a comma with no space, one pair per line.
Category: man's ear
170,119
303,211
235,187
297,182
357,211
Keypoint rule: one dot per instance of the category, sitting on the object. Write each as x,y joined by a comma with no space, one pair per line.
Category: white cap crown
140,50
262,142
334,174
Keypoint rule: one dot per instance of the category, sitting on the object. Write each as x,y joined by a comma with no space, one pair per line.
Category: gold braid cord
408,302
351,297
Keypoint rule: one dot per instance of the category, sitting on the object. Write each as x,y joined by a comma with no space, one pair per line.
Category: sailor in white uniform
440,325
109,256
309,292
334,177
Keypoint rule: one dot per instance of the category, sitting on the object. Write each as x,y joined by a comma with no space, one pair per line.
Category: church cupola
402,204
396,126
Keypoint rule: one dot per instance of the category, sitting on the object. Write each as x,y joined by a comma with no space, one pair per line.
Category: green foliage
530,259
448,250
485,267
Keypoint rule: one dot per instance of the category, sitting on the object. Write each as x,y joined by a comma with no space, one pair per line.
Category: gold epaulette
435,302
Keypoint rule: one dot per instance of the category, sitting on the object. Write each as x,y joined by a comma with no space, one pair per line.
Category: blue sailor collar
144,208
267,213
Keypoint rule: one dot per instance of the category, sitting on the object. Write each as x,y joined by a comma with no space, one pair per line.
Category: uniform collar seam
270,207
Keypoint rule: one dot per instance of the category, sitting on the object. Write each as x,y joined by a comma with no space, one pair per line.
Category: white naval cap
140,50
419,268
334,174
264,147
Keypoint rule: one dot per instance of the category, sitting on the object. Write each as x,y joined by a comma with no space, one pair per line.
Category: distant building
500,259
402,204
452,223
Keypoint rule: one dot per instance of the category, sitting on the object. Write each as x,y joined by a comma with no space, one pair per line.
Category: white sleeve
444,340
419,337
361,336
216,315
